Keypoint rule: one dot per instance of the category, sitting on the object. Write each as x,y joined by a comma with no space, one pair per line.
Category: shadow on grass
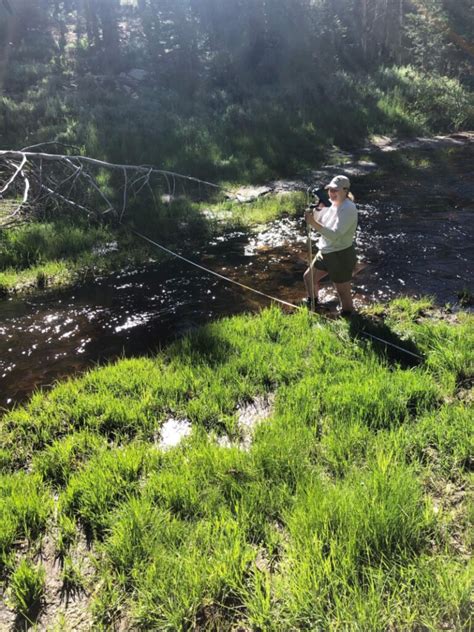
386,343
71,591
27,620
203,346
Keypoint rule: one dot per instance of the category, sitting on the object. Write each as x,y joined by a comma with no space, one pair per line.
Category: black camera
321,196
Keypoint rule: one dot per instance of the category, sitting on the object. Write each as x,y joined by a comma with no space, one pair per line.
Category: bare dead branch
25,195
146,179
109,165
124,204
50,142
67,201
91,179
18,169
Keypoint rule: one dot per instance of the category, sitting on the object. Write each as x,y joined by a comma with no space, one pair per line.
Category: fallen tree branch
50,173
109,165
14,176
25,195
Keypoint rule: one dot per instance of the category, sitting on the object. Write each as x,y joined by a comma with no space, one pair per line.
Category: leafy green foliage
233,94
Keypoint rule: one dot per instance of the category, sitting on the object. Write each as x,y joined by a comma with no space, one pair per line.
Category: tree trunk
110,33
399,40
364,28
92,26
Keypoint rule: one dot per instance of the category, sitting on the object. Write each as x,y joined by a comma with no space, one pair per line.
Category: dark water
415,237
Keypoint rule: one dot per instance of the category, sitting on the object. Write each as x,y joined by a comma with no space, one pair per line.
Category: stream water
415,237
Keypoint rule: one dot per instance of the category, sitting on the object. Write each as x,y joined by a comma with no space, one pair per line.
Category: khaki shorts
339,265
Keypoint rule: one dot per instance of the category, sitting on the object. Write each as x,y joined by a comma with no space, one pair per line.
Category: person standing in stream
336,257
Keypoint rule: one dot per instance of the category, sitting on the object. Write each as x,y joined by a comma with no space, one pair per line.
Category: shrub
428,101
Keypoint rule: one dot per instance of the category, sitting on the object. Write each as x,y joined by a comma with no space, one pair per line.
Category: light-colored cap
339,182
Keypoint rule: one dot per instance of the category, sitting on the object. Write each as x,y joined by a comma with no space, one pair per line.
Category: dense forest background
231,89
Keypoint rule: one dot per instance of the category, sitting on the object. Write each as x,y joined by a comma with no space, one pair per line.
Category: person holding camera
336,222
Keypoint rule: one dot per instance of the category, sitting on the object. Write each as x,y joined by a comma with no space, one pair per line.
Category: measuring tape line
268,296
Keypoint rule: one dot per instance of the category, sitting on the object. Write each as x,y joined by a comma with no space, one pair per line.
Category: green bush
429,102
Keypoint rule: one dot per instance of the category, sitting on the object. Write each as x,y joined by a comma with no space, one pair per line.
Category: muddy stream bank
415,237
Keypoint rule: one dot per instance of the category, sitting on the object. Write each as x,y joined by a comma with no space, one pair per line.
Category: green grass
29,244
348,510
260,211
25,507
26,589
44,255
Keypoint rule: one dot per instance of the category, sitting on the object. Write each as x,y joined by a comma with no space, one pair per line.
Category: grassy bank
349,510
48,255
65,251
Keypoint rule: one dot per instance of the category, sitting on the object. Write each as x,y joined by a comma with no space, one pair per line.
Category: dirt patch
63,607
451,498
249,416
387,144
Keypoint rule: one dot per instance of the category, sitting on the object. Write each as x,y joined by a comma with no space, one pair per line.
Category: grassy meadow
348,510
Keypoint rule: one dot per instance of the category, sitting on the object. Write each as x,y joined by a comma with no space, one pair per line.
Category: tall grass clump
103,483
339,531
259,211
25,506
442,440
31,244
26,588
65,456
448,348
182,574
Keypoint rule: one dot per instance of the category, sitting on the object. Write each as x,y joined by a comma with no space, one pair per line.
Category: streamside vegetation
349,509
64,248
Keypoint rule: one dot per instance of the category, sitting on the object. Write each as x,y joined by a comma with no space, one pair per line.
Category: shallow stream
415,237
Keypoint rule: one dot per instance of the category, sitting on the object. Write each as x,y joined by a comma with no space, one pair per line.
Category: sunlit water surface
415,237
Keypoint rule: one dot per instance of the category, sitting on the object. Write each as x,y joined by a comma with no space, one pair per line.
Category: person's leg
317,276
344,291
341,266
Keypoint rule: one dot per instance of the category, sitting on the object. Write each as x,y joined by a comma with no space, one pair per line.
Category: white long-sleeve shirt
338,226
